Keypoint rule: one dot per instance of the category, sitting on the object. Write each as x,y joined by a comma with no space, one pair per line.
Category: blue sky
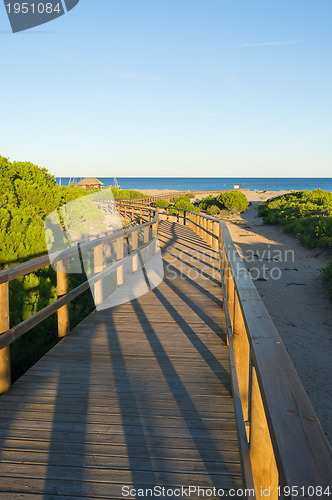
172,88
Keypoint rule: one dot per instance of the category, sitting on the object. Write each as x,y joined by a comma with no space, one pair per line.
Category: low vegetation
119,194
182,202
307,214
232,201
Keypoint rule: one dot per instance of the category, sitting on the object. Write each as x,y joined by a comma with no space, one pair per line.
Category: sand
288,278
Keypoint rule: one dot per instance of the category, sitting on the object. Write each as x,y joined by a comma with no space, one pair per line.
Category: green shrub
307,214
27,195
207,202
214,210
233,201
119,194
162,203
179,198
185,204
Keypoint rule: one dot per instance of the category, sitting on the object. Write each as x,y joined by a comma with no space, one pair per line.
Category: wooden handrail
9,335
290,456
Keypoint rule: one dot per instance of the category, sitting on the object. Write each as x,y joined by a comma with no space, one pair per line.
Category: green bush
27,195
213,210
307,214
185,204
233,201
207,202
162,203
186,196
119,194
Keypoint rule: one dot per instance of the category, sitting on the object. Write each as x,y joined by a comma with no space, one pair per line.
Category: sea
211,183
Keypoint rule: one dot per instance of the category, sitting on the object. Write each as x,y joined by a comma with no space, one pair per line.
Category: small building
236,186
90,183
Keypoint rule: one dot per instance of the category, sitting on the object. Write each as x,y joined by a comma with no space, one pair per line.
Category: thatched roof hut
90,183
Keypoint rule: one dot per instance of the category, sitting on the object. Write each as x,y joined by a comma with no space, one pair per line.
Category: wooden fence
144,219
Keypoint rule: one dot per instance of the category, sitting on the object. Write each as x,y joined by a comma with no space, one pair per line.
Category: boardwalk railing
280,436
145,220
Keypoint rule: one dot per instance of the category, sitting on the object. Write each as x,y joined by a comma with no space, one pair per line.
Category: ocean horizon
211,183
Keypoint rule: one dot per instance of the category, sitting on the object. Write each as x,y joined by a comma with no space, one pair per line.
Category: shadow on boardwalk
138,395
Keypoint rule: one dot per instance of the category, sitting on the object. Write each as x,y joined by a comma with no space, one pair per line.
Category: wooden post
98,267
132,214
119,256
242,356
201,230
206,226
5,377
141,216
210,224
230,294
262,458
215,244
125,211
62,289
184,217
146,234
134,246
155,227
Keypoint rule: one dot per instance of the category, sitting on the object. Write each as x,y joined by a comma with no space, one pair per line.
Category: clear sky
172,88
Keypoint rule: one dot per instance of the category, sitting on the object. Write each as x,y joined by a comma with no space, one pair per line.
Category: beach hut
90,183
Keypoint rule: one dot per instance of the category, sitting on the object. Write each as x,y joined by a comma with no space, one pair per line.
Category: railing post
215,244
62,289
98,267
5,377
134,246
141,216
146,234
210,223
201,227
242,356
230,293
119,256
206,227
262,458
184,217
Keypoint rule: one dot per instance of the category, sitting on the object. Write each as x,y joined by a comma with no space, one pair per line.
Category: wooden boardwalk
138,395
